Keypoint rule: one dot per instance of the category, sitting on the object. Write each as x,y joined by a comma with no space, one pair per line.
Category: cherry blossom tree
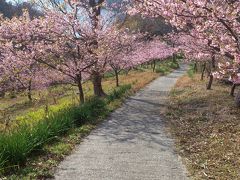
149,51
98,15
122,43
154,49
90,18
18,76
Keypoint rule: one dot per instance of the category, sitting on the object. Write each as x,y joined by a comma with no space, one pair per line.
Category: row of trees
206,31
73,41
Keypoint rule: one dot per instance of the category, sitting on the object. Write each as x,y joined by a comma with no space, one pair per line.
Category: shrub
89,111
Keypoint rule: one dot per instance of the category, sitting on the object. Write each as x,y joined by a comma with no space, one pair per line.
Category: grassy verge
20,147
19,143
206,125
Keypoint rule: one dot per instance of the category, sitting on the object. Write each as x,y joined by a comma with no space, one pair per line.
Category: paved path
131,144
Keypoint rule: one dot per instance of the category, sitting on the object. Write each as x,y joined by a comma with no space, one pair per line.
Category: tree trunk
233,89
29,93
203,71
195,67
128,70
237,99
117,78
209,85
213,62
95,13
80,89
154,65
174,59
97,85
12,93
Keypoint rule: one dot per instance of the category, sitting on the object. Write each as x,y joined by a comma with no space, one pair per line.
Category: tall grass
18,144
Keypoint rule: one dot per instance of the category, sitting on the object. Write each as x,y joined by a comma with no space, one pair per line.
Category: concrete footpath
131,144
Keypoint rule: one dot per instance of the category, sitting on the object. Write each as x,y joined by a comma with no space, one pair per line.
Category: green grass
173,65
19,143
60,148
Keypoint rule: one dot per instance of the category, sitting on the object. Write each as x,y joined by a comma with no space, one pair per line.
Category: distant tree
154,26
6,9
30,7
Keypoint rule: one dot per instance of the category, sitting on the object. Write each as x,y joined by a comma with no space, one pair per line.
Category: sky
14,1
